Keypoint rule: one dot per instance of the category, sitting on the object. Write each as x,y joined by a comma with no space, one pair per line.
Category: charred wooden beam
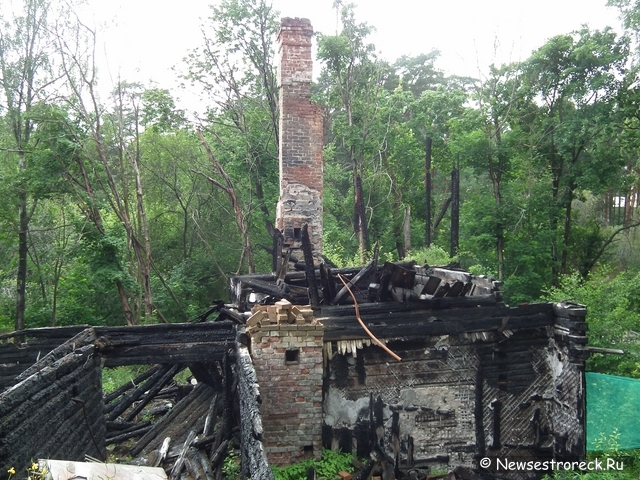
254,460
137,431
424,323
360,275
131,384
115,409
151,393
328,285
80,340
184,416
309,269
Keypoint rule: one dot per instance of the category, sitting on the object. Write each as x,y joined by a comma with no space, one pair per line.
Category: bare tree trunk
145,265
21,278
241,219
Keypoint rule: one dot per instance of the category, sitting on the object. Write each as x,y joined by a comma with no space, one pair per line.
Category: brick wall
288,363
301,132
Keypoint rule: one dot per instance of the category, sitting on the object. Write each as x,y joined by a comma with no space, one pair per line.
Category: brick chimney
301,129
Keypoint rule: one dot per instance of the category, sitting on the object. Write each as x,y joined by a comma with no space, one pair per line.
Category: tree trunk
21,278
567,229
241,220
427,174
360,221
407,229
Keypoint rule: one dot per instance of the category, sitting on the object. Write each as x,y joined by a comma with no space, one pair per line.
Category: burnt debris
281,373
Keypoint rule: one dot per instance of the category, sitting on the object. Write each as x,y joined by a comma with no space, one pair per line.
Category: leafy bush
613,315
328,467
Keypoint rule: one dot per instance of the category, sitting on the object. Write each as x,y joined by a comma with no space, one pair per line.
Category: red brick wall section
291,390
301,134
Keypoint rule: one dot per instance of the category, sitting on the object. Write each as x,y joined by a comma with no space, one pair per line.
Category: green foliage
433,256
613,305
114,378
327,468
231,465
624,465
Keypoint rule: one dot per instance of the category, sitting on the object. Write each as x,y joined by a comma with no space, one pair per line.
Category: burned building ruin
413,367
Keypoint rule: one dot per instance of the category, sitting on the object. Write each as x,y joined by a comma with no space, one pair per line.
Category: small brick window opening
292,356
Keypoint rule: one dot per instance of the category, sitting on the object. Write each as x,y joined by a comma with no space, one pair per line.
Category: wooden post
309,267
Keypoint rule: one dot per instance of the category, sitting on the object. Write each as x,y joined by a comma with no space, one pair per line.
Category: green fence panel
613,412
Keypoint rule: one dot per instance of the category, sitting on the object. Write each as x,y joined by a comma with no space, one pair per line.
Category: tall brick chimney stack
301,132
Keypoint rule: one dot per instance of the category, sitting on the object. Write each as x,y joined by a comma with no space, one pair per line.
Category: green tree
351,80
573,81
26,78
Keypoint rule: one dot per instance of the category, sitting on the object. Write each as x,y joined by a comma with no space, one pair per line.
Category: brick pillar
288,362
301,130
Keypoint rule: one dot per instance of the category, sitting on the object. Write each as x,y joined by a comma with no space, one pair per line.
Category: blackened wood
166,332
196,467
157,456
186,414
207,373
328,285
309,268
168,353
18,400
412,324
455,290
431,286
218,304
362,274
440,216
219,453
226,313
210,420
80,340
115,409
271,289
120,426
131,384
447,308
151,393
400,276
442,291
254,461
61,333
570,310
177,467
125,427
137,432
580,326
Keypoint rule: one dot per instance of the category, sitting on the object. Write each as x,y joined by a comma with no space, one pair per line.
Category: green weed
327,467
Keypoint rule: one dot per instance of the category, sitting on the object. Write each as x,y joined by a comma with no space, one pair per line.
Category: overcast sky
144,40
